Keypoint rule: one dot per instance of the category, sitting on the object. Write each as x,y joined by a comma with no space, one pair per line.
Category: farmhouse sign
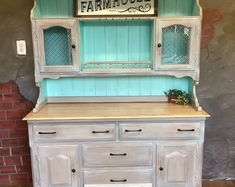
114,7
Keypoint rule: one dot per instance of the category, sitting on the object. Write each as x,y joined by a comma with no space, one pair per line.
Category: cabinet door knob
74,170
73,46
161,168
159,45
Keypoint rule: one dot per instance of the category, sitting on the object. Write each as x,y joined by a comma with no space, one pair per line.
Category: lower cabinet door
176,165
58,165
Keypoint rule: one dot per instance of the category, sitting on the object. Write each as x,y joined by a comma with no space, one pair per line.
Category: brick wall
15,167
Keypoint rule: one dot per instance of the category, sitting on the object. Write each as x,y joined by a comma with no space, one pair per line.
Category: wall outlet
21,47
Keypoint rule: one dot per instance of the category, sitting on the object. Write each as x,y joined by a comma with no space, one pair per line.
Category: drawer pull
100,132
161,168
122,154
121,180
73,170
46,132
186,130
138,130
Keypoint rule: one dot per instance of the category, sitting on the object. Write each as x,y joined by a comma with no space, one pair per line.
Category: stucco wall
216,90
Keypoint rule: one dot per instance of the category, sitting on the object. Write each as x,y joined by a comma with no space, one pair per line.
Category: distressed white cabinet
58,165
177,43
57,45
177,164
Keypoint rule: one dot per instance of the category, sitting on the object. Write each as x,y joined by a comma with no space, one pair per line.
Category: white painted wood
120,185
168,130
122,176
71,24
74,132
177,164
190,22
56,163
117,154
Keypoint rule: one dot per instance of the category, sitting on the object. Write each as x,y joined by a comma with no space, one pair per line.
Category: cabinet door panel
177,43
56,163
177,164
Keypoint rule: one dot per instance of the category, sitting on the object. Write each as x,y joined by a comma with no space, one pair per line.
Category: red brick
19,179
13,160
5,151
26,160
18,133
20,150
21,124
20,106
2,115
9,142
6,106
23,142
3,134
11,98
4,179
14,114
5,87
1,161
7,169
7,124
23,169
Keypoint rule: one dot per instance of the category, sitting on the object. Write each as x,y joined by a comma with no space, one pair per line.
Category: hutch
101,119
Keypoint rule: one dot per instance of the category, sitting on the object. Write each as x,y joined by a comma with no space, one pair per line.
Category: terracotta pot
172,99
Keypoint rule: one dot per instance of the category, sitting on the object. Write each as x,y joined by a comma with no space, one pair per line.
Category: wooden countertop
97,111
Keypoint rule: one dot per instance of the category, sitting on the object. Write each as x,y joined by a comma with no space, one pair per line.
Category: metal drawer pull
46,132
122,180
139,130
97,132
122,154
186,130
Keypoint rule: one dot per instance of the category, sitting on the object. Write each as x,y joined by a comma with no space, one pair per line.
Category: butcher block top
97,111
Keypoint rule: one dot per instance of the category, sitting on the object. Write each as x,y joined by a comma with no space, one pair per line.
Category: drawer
119,154
118,176
138,131
74,132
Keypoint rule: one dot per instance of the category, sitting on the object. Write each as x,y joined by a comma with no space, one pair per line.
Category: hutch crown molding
102,119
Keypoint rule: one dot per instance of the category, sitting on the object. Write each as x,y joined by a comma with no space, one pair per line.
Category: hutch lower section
118,153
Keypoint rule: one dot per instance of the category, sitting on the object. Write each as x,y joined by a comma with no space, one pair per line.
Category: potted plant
178,97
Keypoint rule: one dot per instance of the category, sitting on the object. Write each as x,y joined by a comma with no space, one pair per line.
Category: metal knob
73,46
161,168
159,45
73,170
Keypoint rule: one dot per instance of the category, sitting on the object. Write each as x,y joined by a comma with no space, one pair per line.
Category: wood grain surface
218,184
95,111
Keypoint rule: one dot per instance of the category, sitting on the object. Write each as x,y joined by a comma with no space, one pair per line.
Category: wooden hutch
102,119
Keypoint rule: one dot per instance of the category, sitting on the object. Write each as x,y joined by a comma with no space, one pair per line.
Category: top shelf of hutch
65,8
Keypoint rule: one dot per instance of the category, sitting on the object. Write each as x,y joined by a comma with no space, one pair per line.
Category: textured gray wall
15,25
216,90
217,93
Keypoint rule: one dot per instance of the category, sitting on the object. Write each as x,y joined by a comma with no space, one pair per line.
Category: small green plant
178,96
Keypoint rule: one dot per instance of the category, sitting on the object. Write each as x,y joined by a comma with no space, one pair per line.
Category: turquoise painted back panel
109,41
114,86
175,7
55,8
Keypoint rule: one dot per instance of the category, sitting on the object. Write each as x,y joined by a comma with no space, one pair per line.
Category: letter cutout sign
114,7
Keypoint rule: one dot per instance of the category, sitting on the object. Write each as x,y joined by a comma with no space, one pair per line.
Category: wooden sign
114,7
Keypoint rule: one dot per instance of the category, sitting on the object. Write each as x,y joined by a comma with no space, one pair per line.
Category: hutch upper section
165,42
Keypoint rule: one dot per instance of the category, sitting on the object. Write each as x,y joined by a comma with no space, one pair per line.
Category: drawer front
138,131
119,154
74,132
118,176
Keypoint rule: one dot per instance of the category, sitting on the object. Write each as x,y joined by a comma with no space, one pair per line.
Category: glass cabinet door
57,46
176,44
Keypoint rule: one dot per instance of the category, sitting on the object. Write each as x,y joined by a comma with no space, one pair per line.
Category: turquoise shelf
114,86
